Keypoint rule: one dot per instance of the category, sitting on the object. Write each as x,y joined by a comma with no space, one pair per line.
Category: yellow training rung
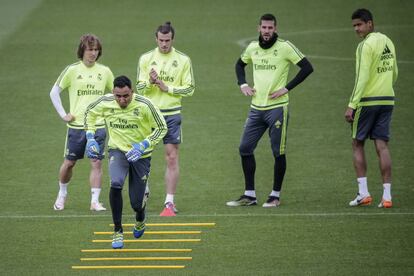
153,233
138,259
154,240
125,266
138,250
174,224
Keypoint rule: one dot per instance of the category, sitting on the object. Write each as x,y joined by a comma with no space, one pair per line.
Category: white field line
342,214
245,41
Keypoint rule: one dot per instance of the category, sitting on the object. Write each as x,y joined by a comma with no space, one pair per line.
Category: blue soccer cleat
118,240
139,229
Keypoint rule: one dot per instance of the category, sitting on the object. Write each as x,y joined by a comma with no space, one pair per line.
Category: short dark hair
267,17
89,40
165,29
363,14
122,81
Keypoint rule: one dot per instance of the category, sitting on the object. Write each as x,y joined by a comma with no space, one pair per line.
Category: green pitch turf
313,232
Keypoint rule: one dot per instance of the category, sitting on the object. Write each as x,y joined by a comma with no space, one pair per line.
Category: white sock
363,186
387,191
274,193
95,192
63,189
251,193
169,198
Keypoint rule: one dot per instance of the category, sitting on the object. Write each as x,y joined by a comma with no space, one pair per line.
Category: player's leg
364,119
381,135
118,171
171,141
138,175
95,176
277,120
253,131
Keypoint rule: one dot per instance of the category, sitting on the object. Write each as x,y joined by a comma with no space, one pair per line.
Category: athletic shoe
118,240
97,206
169,210
244,200
385,204
272,201
139,229
361,201
59,203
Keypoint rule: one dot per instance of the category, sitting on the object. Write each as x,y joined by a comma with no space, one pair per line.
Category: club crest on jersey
153,63
175,63
99,77
136,112
79,77
275,53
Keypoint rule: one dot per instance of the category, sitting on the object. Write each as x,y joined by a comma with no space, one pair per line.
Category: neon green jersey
84,85
270,71
140,120
376,72
175,70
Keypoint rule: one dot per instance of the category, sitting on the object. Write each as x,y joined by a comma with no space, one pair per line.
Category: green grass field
313,232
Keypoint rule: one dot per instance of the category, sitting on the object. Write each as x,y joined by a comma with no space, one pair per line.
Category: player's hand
153,76
349,115
137,151
92,147
68,118
278,93
247,90
161,85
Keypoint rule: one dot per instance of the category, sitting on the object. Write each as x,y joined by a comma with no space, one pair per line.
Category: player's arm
395,72
143,79
241,78
305,70
92,113
363,57
157,123
187,86
109,81
57,103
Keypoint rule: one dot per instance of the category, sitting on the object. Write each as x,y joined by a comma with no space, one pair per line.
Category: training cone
167,212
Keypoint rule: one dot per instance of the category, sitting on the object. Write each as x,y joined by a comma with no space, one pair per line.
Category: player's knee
117,183
245,150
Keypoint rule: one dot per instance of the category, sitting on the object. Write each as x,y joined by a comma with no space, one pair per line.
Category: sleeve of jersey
142,76
187,86
110,81
395,72
294,54
245,56
92,113
363,60
64,78
158,124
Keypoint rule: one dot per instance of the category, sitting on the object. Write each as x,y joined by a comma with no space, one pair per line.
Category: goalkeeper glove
137,151
92,147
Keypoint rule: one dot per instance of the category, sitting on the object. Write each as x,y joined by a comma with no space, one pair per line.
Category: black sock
279,172
140,215
115,199
249,168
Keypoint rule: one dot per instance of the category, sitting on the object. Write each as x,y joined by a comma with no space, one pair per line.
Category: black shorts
174,133
76,143
373,122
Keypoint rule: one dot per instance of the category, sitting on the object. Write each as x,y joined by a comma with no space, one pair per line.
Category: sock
140,216
63,191
249,168
387,191
251,193
115,199
95,195
169,198
362,186
275,194
279,172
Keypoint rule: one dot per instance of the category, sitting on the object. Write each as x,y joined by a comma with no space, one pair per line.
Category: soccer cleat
169,210
60,203
139,229
244,200
118,240
97,206
385,204
361,201
272,201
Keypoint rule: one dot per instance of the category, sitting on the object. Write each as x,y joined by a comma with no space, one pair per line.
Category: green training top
85,85
270,71
376,72
140,120
175,70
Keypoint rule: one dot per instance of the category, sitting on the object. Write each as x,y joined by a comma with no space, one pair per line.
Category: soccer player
165,76
134,127
271,57
85,81
371,104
